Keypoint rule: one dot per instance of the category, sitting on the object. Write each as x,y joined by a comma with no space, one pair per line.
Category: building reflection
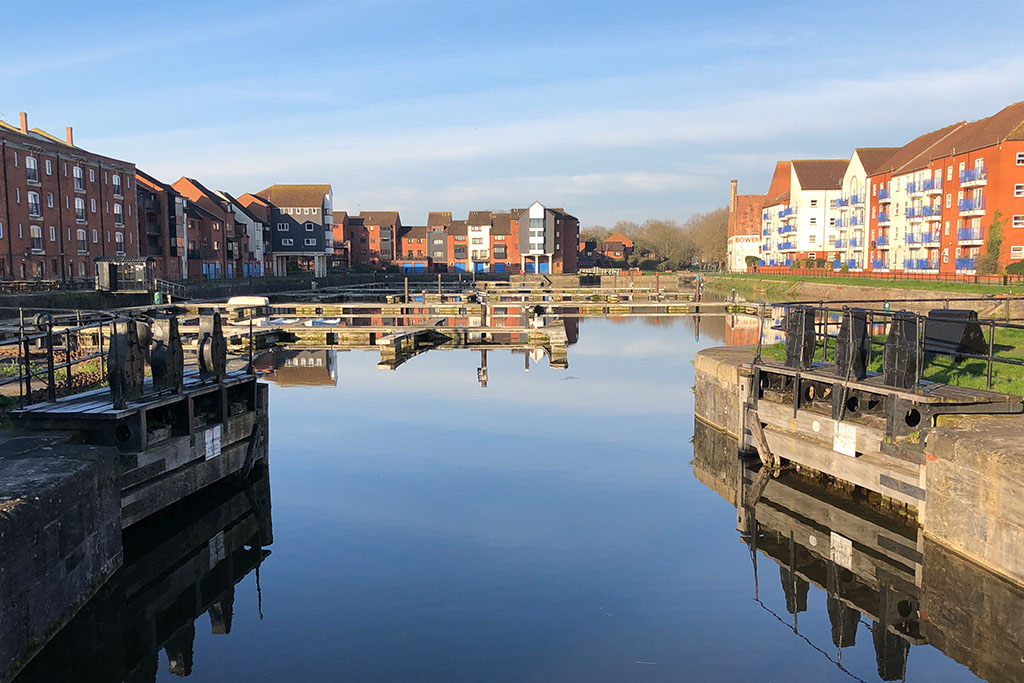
879,574
298,367
178,566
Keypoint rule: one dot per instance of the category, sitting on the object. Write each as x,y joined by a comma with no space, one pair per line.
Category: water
548,527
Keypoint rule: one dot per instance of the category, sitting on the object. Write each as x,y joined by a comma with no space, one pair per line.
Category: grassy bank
777,287
1008,379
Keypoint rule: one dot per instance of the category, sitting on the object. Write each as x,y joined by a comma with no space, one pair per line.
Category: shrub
845,268
1015,268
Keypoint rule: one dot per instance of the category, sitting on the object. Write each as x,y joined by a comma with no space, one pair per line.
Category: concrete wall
718,387
60,537
975,501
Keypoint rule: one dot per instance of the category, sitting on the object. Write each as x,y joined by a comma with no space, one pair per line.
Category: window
37,238
117,185
814,221
1020,158
283,227
79,209
34,209
49,167
814,203
118,215
32,169
119,240
92,205
1018,221
53,234
49,199
813,239
478,240
95,237
945,255
947,227
949,173
832,222
309,227
1017,252
831,203
1018,190
286,242
812,254
83,246
949,199
79,179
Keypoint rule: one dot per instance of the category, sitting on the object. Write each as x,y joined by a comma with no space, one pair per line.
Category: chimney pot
24,122
69,134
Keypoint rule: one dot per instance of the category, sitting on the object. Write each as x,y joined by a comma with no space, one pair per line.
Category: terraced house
301,221
62,208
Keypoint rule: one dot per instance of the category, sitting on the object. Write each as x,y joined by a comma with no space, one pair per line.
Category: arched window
34,207
119,239
83,245
79,179
79,209
31,169
37,238
118,215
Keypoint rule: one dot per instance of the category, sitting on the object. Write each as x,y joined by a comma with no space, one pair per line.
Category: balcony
856,242
972,206
914,213
764,216
856,220
920,264
856,199
931,238
785,229
841,243
972,177
932,185
879,264
853,264
765,232
787,246
932,213
883,194
883,218
916,187
970,235
787,212
842,223
965,264
882,241
843,203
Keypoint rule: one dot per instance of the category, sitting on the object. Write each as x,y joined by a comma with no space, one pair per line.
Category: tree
595,232
988,262
752,261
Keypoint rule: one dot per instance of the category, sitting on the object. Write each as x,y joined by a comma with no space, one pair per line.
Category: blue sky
614,110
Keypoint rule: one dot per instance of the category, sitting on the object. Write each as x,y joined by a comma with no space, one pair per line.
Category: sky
614,110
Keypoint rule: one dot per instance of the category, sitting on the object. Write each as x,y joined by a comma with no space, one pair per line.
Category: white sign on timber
215,546
845,439
841,551
212,442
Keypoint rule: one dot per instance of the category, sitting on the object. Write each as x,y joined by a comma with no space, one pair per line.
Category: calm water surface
548,527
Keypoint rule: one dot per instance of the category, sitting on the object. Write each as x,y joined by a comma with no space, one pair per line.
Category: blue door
421,267
499,267
544,267
478,267
460,267
531,268
231,270
406,267
206,270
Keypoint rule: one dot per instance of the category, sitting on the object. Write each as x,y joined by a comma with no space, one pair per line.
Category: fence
956,278
31,286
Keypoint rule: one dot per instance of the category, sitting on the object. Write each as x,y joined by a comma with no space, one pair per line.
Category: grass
783,282
973,374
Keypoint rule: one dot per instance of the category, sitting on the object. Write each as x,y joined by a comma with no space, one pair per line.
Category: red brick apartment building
61,207
744,227
162,226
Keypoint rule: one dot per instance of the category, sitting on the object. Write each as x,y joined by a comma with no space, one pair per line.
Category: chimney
24,122
69,134
732,196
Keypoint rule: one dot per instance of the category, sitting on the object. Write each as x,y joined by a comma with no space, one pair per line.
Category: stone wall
975,502
60,536
719,385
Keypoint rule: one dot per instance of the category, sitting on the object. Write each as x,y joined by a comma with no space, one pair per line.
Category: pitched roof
199,187
479,218
820,174
435,218
1006,124
874,157
340,217
240,206
620,238
410,231
290,196
778,190
151,182
501,224
458,228
379,217
904,158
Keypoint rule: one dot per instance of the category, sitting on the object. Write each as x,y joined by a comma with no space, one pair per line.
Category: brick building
301,221
61,207
382,234
548,239
744,231
162,226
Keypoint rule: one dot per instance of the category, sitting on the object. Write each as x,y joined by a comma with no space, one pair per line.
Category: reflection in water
877,571
298,367
177,566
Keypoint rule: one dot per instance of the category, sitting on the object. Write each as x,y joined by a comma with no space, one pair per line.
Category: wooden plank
865,471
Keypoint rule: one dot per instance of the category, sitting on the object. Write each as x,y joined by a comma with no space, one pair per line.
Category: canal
553,525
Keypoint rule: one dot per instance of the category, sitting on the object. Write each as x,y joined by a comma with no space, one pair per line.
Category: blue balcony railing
932,211
856,242
853,264
787,246
841,243
856,199
970,175
766,232
930,238
786,229
840,203
784,213
971,204
965,264
967,234
883,217
837,264
789,262
912,238
882,240
912,187
929,184
856,220
764,217
920,264
913,212
878,264
883,193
